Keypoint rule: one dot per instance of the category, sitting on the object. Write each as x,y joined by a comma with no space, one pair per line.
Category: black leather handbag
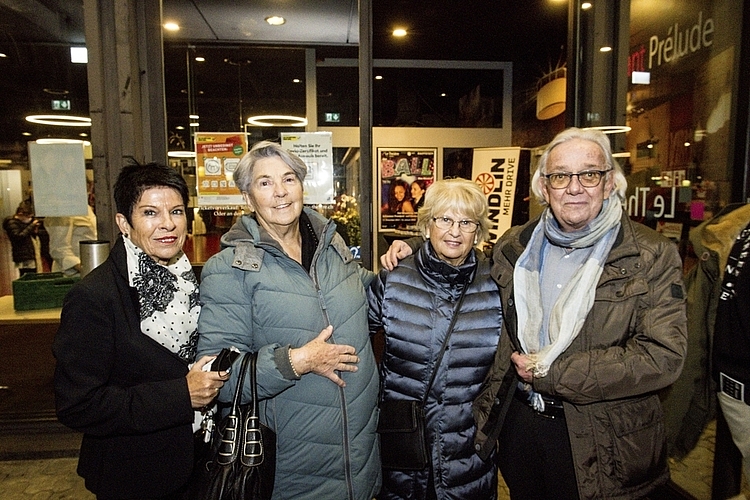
403,445
242,461
402,439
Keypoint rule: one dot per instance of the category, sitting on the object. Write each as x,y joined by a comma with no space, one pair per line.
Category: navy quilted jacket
414,304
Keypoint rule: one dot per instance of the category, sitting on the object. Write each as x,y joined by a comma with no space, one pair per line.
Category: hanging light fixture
61,120
550,97
277,121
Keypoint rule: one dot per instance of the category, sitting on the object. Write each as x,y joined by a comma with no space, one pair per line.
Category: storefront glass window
682,69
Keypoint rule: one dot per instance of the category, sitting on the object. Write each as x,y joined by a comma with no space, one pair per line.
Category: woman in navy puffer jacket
414,304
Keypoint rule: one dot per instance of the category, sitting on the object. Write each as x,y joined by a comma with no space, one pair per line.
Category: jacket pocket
637,440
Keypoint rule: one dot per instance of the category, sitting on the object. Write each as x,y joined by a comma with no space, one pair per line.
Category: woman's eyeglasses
445,223
587,178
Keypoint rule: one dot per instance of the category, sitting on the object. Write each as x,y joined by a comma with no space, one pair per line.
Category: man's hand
397,251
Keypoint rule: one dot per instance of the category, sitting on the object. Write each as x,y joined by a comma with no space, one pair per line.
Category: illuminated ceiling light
296,80
277,121
195,124
650,145
586,5
442,94
83,134
180,127
399,32
606,48
687,144
193,117
52,140
200,58
611,129
2,54
378,77
170,26
62,120
275,20
26,134
181,154
79,55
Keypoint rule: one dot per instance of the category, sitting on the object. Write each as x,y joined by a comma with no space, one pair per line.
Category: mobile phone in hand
223,362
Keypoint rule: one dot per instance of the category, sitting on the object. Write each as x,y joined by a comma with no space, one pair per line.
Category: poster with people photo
405,175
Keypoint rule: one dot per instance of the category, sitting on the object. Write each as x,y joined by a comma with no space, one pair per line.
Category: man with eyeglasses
594,326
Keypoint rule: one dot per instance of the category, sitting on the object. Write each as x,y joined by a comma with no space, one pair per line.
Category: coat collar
251,242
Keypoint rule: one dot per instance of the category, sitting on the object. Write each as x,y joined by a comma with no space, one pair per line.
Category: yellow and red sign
216,157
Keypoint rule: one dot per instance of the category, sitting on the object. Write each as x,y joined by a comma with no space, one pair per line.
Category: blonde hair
460,195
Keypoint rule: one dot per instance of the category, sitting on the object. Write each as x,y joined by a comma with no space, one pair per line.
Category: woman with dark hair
126,342
418,188
23,233
399,198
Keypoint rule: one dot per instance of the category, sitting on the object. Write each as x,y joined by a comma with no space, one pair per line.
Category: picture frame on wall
404,175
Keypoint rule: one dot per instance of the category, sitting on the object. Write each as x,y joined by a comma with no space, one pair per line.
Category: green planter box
41,290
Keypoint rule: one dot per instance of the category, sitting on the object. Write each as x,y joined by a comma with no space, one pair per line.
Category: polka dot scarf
168,299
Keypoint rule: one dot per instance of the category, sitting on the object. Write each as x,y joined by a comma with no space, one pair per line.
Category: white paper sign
58,172
316,150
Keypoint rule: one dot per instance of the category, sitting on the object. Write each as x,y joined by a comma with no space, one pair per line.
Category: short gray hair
597,137
243,175
460,195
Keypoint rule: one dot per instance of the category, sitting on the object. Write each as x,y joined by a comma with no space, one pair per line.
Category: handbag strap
246,359
445,344
229,443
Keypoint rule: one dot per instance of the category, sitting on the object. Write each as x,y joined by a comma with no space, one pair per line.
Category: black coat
123,390
20,234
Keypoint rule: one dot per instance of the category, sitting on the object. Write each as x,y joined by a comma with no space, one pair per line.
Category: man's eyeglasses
587,178
445,223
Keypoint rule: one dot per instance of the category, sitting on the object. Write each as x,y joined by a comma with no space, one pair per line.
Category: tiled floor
56,479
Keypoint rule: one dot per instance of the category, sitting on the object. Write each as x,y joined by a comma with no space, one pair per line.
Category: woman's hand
524,366
324,359
396,252
204,386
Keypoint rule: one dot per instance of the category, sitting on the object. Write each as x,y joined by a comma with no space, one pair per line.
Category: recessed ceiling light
442,94
83,134
3,55
296,80
27,134
399,32
195,124
180,127
378,77
586,5
275,20
171,26
200,58
193,117
606,48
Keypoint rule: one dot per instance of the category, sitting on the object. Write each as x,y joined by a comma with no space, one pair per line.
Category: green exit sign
333,117
60,105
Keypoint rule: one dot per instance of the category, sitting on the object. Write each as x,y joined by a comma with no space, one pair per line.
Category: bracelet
292,364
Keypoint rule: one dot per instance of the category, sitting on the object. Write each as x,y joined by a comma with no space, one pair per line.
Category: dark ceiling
35,36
